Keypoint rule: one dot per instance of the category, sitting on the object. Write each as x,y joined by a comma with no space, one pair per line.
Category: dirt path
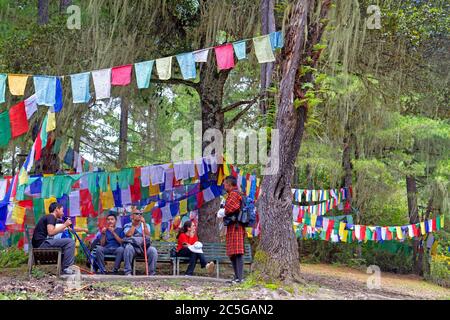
352,283
322,282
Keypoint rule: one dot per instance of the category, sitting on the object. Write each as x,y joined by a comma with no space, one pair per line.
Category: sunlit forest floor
322,282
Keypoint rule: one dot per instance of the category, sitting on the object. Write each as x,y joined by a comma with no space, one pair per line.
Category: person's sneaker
68,271
237,281
210,267
115,272
128,274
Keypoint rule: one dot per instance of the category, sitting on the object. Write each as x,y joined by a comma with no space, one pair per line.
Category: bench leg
217,269
178,267
30,261
174,266
58,267
134,267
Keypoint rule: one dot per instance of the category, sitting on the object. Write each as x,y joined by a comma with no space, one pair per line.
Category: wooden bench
42,256
216,251
213,252
163,249
45,256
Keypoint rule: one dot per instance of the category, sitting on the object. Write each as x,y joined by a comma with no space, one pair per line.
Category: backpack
246,215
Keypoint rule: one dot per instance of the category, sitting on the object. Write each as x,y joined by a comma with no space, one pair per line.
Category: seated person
134,229
46,229
186,238
110,239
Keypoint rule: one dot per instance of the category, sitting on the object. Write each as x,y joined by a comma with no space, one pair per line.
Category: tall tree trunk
411,192
63,5
123,134
278,256
211,90
267,26
43,12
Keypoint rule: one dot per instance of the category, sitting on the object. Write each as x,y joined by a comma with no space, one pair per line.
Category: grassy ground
322,282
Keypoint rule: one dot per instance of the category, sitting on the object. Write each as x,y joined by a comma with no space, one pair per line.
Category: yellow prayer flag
81,222
341,229
164,68
51,121
23,176
154,190
422,228
399,233
220,176
247,187
17,84
183,206
47,203
107,199
226,169
149,207
345,236
18,214
263,49
313,220
157,231
442,221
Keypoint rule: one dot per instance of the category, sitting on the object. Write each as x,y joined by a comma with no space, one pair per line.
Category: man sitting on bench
44,231
110,243
134,230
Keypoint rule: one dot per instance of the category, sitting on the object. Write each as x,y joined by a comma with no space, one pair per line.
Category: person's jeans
100,256
193,257
130,252
68,249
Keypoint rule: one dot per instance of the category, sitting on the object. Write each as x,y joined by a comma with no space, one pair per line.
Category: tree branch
174,81
233,121
239,103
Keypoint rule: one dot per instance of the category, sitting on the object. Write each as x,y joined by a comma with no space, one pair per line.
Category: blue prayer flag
45,90
58,96
240,49
187,65
143,71
2,87
276,40
80,87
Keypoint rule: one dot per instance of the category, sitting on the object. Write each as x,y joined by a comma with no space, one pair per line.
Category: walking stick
145,249
86,252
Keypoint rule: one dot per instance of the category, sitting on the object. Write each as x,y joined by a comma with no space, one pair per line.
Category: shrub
12,258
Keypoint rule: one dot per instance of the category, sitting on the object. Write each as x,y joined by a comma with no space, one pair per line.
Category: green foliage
12,258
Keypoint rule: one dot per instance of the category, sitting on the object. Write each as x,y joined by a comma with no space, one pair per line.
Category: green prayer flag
44,135
92,182
57,146
5,129
113,179
38,209
103,181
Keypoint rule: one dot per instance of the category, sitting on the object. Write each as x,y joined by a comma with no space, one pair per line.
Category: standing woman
235,230
189,247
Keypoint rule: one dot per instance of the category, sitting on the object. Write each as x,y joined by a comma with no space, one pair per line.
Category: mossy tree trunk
278,257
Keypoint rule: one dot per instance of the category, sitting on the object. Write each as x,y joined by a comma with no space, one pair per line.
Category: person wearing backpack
235,230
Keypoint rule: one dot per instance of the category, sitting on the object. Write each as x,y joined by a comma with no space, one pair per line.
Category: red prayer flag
18,120
225,56
121,76
199,199
135,190
157,216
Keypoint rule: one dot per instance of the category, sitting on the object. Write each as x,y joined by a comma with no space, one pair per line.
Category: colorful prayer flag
224,56
17,84
18,120
164,68
263,49
121,76
80,87
143,71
